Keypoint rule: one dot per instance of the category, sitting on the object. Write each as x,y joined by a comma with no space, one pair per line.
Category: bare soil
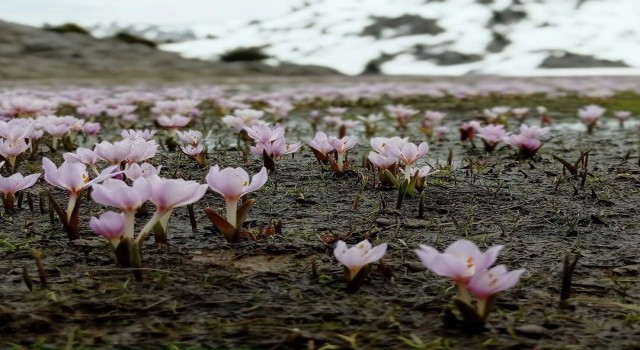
284,290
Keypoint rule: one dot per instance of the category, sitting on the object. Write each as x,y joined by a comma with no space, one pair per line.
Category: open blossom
233,183
381,144
191,150
342,145
176,121
264,133
380,161
109,225
622,115
192,137
527,141
520,113
274,149
135,170
487,283
82,155
460,261
590,113
491,135
407,152
134,134
243,118
358,256
91,128
468,130
14,183
320,143
589,116
118,194
402,114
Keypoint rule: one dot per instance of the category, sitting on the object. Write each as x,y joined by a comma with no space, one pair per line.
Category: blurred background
83,38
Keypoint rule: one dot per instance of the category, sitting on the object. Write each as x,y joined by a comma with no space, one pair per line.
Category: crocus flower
485,285
191,137
134,134
118,194
264,133
520,113
109,225
402,114
83,155
622,117
243,118
341,146
491,136
11,150
168,194
12,184
589,116
274,149
468,130
91,128
233,183
460,262
135,170
174,122
408,153
358,256
320,146
73,177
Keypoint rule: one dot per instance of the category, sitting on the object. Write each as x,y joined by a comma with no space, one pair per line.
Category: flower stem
232,211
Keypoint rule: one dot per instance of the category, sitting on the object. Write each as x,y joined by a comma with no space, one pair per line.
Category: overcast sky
170,12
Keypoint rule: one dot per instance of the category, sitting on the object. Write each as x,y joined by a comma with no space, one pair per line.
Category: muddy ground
285,290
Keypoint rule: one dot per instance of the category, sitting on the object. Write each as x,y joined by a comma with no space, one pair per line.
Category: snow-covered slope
440,37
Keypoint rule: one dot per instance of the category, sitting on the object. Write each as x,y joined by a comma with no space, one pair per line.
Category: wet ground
284,290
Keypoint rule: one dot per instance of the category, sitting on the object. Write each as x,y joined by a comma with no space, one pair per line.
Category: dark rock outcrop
572,60
33,53
403,26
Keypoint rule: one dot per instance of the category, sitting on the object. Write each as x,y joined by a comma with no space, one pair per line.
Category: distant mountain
158,33
440,37
34,53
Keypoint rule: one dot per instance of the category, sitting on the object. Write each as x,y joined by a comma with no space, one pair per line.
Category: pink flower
17,182
110,225
380,161
91,128
176,121
358,256
460,261
233,183
243,118
468,130
265,134
487,283
320,143
168,194
590,114
117,193
342,145
135,170
622,115
275,149
134,134
402,114
528,146
190,150
192,137
381,144
532,131
407,152
12,184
